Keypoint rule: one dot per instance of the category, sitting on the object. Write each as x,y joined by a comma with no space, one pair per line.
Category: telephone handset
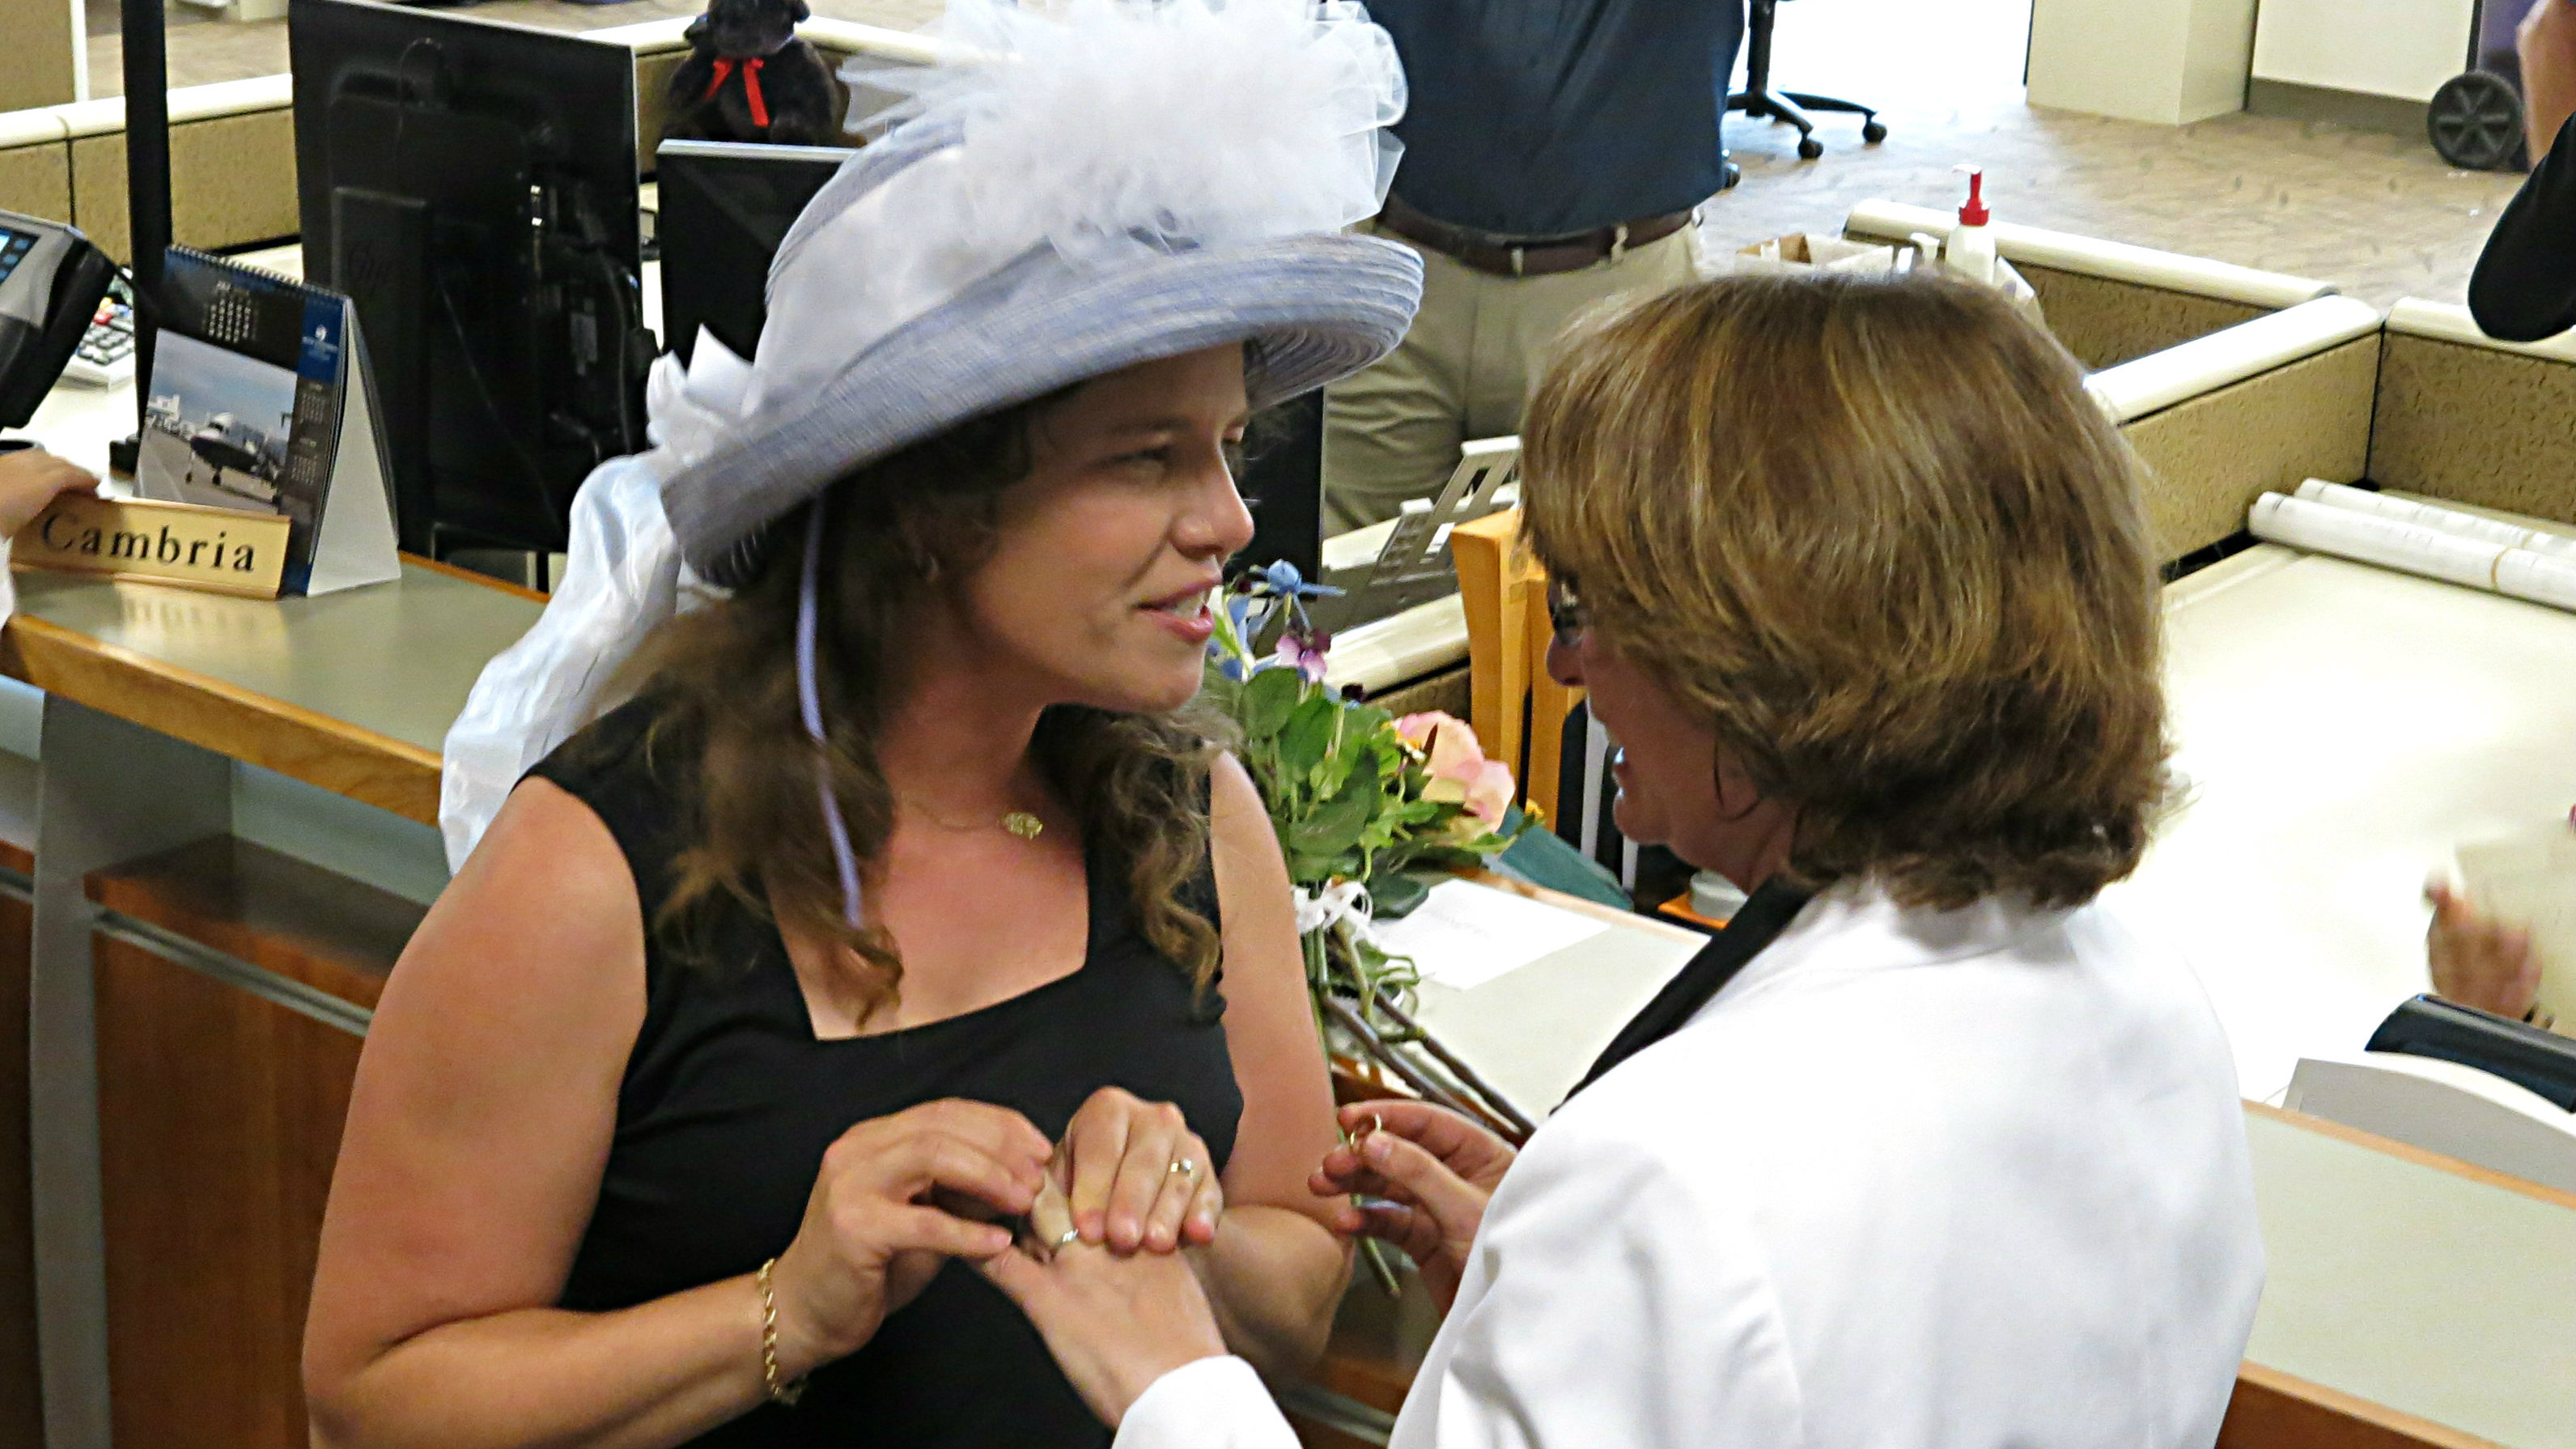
51,280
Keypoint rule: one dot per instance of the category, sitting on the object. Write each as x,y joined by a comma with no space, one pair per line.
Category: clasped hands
1422,1177
1119,1307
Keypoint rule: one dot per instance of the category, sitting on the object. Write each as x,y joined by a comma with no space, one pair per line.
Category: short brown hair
1877,532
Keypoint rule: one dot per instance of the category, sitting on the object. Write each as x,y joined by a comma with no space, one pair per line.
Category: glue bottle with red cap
1970,251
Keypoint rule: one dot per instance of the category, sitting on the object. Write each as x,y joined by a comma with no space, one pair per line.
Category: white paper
1464,935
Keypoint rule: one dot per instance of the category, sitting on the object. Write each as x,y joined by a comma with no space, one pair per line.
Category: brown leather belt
1526,256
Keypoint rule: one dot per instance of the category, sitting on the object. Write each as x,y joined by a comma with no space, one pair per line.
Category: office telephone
51,280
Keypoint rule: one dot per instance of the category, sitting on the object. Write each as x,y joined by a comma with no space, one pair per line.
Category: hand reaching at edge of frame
2477,960
30,480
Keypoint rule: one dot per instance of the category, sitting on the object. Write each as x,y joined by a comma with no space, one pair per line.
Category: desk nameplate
223,550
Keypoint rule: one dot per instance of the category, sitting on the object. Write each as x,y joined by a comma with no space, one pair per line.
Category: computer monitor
471,186
725,207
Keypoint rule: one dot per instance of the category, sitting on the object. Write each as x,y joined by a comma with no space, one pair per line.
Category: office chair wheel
1809,148
1872,132
1731,175
2475,121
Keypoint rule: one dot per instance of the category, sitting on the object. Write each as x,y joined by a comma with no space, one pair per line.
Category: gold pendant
1022,824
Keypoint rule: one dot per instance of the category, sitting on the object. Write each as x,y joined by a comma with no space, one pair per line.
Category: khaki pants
1463,371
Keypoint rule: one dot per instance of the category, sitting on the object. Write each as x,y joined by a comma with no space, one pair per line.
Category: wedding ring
1375,1123
1068,1239
1184,1166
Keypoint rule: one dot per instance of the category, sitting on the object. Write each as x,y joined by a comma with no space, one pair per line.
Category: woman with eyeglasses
1923,1151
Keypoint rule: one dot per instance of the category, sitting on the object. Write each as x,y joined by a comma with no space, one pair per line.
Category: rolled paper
2434,516
2372,537
2539,577
2409,547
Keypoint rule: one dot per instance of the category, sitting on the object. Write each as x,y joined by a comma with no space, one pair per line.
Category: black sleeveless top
728,1101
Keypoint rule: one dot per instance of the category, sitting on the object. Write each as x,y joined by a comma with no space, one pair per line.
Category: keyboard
105,356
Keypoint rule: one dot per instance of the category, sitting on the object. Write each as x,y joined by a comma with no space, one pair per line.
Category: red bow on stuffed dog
750,87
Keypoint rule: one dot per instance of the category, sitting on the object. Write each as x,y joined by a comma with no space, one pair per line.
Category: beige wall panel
39,63
37,181
1445,691
98,193
232,182
2497,429
2209,459
652,102
2105,323
232,179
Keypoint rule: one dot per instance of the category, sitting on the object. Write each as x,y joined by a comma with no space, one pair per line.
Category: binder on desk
259,401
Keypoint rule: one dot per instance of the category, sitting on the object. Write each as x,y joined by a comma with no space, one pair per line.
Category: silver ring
1184,1166
1069,1238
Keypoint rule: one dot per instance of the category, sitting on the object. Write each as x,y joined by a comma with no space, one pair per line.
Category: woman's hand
2478,961
872,1240
1115,1324
30,480
1427,1173
1138,1176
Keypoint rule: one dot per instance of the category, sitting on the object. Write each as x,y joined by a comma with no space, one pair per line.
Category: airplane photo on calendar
217,429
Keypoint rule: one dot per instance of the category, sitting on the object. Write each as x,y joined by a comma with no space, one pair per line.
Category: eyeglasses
1566,614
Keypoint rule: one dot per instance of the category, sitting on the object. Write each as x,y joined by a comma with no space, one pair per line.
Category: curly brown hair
723,678
1877,533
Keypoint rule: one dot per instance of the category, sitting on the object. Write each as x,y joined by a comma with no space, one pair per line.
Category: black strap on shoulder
1757,923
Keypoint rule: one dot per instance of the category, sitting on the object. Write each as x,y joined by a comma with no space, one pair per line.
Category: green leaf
1335,826
1268,698
1394,894
1306,733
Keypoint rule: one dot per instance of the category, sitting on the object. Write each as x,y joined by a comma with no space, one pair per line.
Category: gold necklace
1016,822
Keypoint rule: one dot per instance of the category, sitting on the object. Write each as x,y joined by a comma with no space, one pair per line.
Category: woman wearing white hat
833,911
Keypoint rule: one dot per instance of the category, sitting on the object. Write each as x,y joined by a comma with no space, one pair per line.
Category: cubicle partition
2464,417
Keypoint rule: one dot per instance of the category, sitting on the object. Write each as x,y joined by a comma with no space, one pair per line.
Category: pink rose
1460,773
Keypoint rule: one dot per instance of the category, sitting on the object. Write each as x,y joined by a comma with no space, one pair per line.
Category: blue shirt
1537,118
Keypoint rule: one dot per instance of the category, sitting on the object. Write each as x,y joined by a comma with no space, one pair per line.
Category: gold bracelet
781,1391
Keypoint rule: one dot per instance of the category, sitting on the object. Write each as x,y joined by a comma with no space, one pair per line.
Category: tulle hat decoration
1075,189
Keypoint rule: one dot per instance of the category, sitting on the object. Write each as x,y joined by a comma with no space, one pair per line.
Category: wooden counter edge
2417,1155
2274,1410
296,742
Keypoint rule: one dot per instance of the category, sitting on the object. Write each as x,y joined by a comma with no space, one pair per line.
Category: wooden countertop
352,691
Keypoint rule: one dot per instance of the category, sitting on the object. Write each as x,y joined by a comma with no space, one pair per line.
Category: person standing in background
1554,153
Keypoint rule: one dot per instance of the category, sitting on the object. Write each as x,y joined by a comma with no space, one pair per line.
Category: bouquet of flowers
1370,810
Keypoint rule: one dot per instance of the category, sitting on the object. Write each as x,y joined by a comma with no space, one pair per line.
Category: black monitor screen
725,207
471,185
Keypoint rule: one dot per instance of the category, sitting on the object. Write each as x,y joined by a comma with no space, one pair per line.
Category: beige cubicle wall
2464,417
2261,406
2108,301
2227,380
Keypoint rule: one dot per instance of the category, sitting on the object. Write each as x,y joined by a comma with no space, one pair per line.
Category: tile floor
2379,214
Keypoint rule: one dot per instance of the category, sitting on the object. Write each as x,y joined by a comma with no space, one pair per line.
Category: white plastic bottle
1971,248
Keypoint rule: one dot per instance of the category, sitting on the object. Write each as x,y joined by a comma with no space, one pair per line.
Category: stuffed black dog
748,78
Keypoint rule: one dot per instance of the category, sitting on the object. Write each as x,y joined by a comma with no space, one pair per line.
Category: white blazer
1913,1180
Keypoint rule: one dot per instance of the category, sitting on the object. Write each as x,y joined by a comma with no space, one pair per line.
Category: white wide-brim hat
1079,188
1311,308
